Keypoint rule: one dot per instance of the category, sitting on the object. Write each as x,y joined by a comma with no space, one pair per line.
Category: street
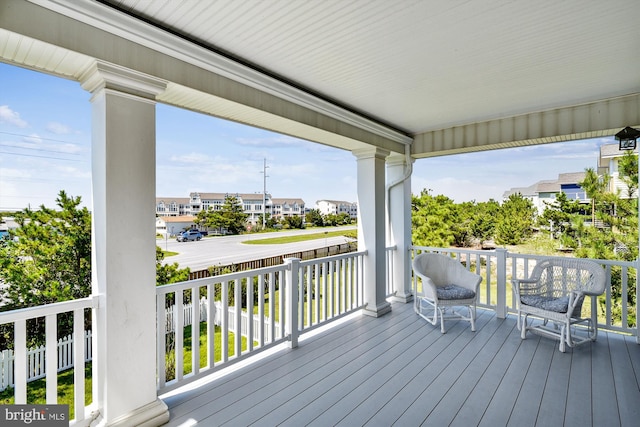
222,250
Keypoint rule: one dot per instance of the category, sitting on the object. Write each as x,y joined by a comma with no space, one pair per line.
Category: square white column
399,231
371,227
123,235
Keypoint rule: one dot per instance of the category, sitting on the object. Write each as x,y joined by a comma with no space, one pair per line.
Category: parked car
189,235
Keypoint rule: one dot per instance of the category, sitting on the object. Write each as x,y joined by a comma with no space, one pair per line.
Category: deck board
398,369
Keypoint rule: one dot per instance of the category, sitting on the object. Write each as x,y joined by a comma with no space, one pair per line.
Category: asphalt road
222,250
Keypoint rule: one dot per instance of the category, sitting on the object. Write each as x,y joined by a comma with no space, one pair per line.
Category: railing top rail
454,250
172,287
332,258
47,309
596,260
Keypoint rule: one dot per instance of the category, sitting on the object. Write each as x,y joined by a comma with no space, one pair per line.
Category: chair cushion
558,305
451,292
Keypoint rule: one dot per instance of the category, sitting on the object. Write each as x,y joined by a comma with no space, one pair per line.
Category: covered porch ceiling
444,76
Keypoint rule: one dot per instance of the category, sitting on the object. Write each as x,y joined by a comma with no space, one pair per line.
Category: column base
380,310
405,298
151,415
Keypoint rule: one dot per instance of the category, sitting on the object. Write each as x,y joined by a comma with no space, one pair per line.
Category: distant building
610,155
252,204
281,208
336,207
544,192
173,225
172,206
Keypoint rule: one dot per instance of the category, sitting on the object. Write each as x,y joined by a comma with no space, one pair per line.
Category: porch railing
497,267
276,303
50,312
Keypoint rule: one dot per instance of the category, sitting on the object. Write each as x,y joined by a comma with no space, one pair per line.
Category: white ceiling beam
592,120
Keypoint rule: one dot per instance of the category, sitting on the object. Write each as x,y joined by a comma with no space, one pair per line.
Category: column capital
102,75
371,152
397,159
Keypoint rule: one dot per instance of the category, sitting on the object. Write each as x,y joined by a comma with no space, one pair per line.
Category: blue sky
45,146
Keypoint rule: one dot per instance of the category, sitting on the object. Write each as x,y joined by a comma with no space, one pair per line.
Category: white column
399,220
371,227
123,265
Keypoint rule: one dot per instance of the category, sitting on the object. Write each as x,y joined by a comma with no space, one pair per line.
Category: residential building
544,192
174,224
172,206
336,207
282,208
252,204
610,155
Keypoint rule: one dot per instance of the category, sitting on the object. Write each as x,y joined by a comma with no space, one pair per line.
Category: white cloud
58,128
33,138
7,115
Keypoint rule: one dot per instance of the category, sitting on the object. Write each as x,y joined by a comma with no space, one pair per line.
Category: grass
294,239
37,390
169,253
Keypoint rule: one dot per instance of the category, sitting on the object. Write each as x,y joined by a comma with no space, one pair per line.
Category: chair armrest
428,287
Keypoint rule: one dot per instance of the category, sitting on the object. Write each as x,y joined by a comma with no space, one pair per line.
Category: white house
610,155
281,207
172,206
174,224
336,207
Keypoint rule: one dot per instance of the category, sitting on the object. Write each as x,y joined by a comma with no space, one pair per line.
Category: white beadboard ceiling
423,65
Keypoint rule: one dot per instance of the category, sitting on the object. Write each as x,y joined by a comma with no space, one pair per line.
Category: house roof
282,201
221,196
184,218
610,151
167,200
336,202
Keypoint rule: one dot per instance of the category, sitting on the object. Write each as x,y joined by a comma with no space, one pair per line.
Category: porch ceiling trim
591,120
126,41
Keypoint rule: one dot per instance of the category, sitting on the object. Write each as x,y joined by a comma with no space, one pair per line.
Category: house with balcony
610,155
282,208
334,340
173,206
544,192
336,207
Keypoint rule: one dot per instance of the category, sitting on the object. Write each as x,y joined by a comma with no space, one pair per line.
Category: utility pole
264,194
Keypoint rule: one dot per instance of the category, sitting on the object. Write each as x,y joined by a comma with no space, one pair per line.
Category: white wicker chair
554,292
446,284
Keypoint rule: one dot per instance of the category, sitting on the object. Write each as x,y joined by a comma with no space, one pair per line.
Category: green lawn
37,390
298,238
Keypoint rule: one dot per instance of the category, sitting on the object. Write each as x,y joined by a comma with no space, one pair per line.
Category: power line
43,150
42,157
39,137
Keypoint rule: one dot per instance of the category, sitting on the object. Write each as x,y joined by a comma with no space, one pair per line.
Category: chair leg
472,318
442,321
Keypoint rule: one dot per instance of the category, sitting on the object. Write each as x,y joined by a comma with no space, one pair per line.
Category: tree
594,186
49,257
47,260
293,221
169,273
231,216
314,217
515,220
432,218
628,170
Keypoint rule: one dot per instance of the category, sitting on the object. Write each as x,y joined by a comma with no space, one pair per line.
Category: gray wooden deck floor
399,370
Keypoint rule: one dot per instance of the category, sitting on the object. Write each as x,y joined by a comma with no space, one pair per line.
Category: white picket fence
36,360
187,308
36,356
